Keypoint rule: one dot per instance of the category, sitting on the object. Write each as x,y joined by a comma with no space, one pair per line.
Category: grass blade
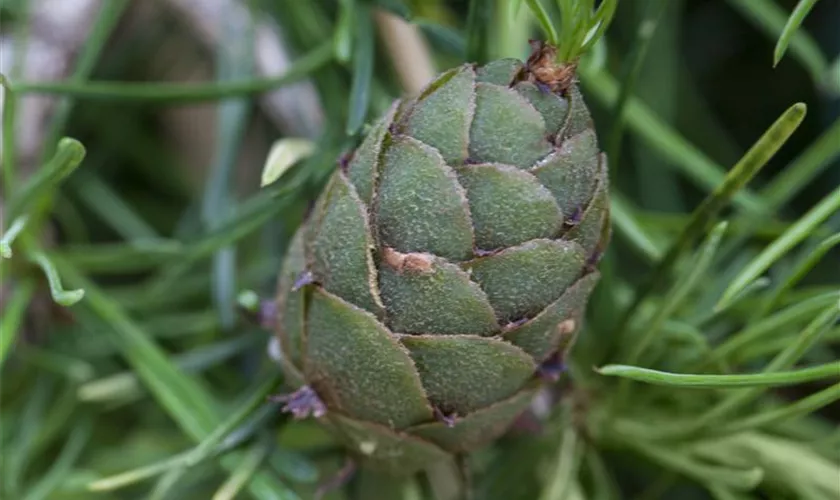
633,67
785,359
18,456
223,431
247,468
807,166
284,154
107,18
701,381
125,386
598,24
343,35
775,251
803,7
799,272
248,217
71,451
234,60
179,394
721,493
111,208
443,38
61,296
9,236
761,351
207,448
165,485
363,62
749,165
544,19
770,18
795,314
12,319
803,407
479,18
75,369
183,397
68,156
10,103
680,292
660,137
131,256
628,225
128,478
739,479
161,93
569,457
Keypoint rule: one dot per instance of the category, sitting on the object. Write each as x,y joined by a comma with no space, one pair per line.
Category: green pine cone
447,262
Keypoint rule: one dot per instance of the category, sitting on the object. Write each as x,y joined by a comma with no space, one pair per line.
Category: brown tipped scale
452,256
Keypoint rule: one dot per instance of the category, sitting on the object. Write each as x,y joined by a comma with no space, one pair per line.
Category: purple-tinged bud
302,403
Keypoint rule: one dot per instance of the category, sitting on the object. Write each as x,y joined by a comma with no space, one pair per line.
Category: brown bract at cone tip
542,67
444,271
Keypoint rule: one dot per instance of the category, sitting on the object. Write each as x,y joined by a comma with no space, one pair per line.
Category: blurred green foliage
717,316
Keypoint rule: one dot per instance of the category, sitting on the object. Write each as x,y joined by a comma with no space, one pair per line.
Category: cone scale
445,262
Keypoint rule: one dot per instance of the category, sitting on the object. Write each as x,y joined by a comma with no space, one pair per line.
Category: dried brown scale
566,327
447,264
407,262
542,68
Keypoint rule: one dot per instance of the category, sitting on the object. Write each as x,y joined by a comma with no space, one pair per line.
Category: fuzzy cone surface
448,260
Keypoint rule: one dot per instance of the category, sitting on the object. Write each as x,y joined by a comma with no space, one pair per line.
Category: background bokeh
165,223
